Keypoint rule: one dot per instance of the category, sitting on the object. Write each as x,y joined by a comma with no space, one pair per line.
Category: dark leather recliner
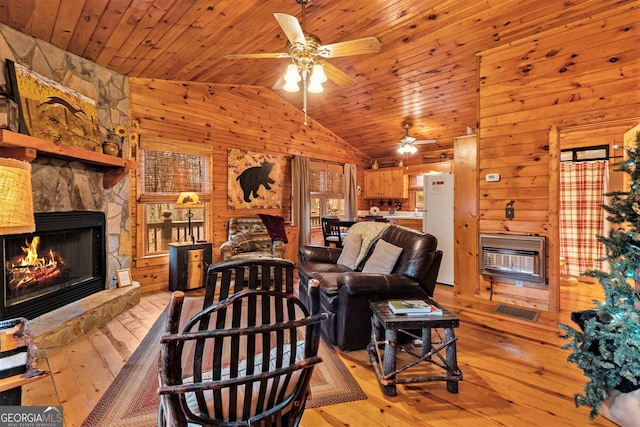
345,294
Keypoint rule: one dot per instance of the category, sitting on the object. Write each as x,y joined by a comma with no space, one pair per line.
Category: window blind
416,182
168,168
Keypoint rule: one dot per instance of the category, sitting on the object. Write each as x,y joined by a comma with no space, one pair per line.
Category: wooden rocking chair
247,358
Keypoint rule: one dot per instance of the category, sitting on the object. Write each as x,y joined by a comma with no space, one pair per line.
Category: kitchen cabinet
415,224
386,183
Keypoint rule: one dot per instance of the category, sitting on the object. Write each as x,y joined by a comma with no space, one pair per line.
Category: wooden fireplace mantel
24,147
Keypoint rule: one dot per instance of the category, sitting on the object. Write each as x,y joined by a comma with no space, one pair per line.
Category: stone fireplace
61,262
63,184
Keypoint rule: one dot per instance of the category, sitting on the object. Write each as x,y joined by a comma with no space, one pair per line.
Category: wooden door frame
553,249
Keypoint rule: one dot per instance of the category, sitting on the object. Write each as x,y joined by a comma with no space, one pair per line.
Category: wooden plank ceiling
425,73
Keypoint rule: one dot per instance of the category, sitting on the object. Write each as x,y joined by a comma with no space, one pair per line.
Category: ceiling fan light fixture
292,77
407,148
315,86
318,74
292,74
291,87
305,50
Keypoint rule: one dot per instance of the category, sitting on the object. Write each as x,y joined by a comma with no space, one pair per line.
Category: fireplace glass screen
47,263
62,261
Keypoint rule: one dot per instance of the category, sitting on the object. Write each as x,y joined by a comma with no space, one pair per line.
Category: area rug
131,399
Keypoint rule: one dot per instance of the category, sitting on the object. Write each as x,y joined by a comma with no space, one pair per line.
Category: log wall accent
465,215
225,116
580,74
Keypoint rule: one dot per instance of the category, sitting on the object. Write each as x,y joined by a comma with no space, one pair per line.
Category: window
327,191
416,192
583,154
168,168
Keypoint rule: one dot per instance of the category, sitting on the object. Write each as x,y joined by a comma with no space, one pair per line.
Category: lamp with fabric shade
189,200
16,198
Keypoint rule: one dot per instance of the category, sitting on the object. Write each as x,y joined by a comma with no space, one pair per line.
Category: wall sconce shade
16,197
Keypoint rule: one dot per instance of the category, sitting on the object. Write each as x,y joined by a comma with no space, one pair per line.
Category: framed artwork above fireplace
53,112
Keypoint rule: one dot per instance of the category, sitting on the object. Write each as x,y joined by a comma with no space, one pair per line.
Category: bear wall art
254,180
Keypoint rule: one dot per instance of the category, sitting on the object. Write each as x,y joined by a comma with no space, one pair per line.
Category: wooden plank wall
225,116
576,75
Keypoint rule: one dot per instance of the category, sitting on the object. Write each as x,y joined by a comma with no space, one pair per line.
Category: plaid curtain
582,188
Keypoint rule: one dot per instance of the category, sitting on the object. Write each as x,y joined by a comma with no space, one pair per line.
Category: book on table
413,307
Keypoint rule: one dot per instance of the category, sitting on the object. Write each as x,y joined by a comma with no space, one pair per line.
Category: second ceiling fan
308,53
408,143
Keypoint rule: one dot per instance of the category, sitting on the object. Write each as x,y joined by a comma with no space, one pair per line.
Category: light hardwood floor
515,373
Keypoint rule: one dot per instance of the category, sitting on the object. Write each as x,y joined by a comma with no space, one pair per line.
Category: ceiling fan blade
350,47
424,141
336,75
257,55
291,28
279,84
407,140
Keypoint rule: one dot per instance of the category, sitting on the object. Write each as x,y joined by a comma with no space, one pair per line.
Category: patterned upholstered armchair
250,238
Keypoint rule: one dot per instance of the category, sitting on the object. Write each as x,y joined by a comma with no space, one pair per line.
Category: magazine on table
413,307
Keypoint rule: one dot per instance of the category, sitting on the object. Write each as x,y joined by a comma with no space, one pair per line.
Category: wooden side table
188,264
437,336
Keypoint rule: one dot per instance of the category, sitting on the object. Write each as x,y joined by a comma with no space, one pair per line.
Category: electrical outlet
510,213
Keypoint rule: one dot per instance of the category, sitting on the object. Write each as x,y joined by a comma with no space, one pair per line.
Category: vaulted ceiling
425,73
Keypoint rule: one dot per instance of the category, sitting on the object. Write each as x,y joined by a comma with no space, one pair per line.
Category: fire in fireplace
61,262
31,271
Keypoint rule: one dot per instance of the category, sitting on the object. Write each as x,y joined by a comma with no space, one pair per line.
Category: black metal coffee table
437,335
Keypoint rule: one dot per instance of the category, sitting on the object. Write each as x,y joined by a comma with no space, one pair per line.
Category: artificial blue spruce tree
607,345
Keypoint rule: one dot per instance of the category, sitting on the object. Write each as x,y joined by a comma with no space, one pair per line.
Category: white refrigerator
438,219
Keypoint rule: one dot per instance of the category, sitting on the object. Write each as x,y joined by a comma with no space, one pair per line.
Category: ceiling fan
307,54
408,143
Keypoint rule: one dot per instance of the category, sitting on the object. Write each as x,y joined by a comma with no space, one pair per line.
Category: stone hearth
56,329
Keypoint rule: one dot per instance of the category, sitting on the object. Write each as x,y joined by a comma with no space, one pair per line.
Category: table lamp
16,199
189,200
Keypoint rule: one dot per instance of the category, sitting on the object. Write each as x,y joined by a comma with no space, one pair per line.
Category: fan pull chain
304,95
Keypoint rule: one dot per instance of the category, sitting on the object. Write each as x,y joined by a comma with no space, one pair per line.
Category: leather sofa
345,293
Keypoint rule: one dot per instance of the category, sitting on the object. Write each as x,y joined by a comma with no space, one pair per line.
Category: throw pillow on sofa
350,250
370,231
383,259
243,242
